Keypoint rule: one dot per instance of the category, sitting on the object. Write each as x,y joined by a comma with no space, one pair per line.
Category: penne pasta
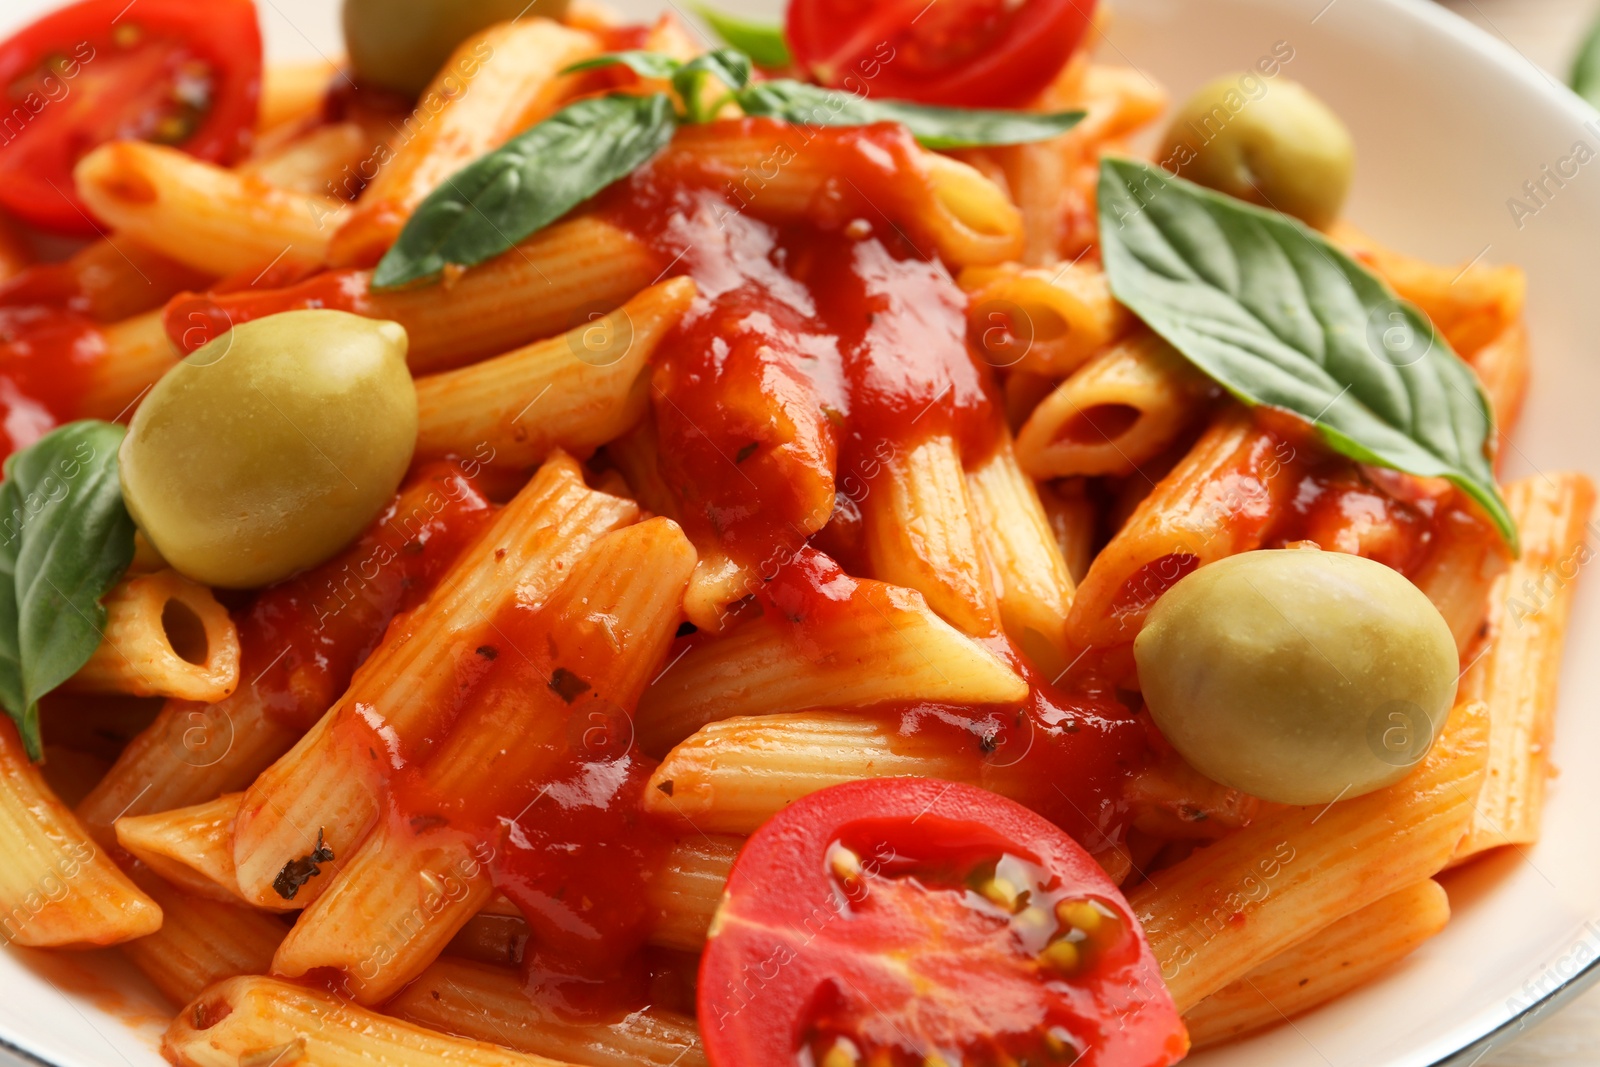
214,220
1502,367
920,533
1030,574
1232,906
735,774
495,84
164,636
683,896
1042,320
201,942
886,646
322,785
1122,409
110,279
574,392
1171,800
943,205
242,1018
1344,955
300,642
293,91
1517,672
488,1004
136,353
189,848
1074,520
57,888
1214,503
633,577
560,279
1466,558
314,163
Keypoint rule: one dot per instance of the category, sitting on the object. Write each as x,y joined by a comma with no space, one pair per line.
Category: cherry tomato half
906,921
174,72
973,53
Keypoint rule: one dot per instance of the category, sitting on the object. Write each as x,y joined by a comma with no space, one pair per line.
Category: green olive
402,44
1296,675
272,447
1270,142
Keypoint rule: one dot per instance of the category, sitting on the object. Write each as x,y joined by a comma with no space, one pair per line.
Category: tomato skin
972,53
46,128
790,946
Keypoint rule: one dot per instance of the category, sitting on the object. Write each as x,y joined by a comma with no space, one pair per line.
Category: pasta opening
1099,423
1154,578
971,200
1048,324
186,633
208,1013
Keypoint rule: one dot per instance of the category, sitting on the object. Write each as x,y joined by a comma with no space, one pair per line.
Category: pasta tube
164,636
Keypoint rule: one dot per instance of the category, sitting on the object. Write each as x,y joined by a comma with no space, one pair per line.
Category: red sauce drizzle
46,354
301,640
814,350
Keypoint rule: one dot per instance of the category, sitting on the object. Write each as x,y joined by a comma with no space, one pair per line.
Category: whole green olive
1270,142
1296,675
402,44
272,447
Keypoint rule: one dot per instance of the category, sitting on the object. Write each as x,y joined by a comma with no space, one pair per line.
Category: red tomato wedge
971,53
176,72
907,922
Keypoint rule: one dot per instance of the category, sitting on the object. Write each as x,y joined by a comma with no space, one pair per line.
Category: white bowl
1449,123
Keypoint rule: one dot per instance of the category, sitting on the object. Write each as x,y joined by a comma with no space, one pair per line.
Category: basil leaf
65,540
727,66
1585,77
527,183
935,127
762,42
1278,315
645,64
730,67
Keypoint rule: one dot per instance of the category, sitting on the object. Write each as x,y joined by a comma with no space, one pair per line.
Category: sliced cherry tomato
174,72
974,53
906,922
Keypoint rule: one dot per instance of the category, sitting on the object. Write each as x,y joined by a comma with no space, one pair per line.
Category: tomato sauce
301,640
46,356
814,349
556,817
194,319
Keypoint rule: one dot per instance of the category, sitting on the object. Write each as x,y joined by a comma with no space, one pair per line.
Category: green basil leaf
763,42
644,64
65,540
731,67
935,127
1278,315
527,183
1585,77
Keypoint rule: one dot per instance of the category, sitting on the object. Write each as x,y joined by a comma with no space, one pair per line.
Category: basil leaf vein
524,185
1278,315
934,127
65,540
763,42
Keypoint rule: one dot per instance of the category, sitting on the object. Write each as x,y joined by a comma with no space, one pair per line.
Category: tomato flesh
909,921
166,71
974,53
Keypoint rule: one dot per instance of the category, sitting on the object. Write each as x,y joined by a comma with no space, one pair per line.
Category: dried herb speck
297,872
568,686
